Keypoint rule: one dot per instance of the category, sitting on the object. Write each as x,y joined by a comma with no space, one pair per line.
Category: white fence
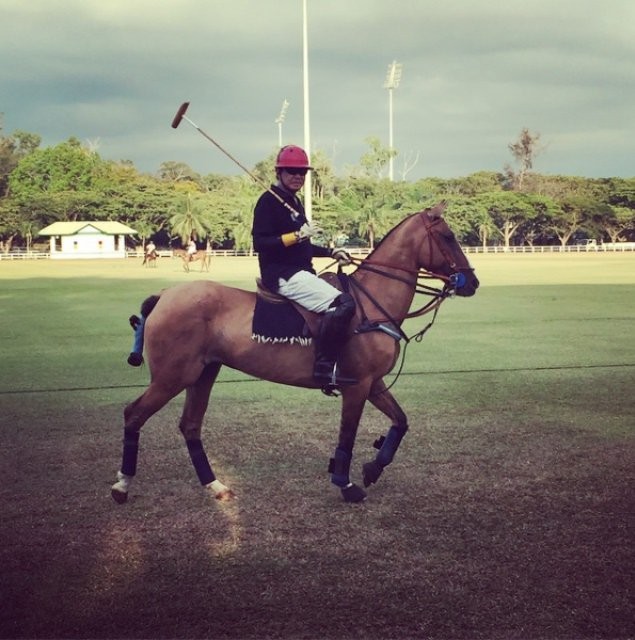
611,247
21,254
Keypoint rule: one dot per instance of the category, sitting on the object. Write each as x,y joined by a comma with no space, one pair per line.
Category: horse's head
442,254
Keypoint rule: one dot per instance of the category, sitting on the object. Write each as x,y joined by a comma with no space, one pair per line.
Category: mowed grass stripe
66,322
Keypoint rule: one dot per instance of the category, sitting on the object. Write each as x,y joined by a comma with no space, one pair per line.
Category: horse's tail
148,304
146,308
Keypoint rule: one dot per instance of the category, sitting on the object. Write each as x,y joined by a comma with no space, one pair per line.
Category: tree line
516,206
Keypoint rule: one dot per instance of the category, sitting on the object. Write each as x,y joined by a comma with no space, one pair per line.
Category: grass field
507,513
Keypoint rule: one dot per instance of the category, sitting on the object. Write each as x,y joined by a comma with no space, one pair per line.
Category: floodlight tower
393,78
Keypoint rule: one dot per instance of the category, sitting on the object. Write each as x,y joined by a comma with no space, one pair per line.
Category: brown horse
150,259
188,258
196,328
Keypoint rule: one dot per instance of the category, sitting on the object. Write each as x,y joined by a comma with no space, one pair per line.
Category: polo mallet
180,115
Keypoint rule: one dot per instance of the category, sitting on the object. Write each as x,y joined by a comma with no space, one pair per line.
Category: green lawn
64,323
507,512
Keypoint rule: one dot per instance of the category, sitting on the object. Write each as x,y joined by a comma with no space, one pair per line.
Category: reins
438,295
433,305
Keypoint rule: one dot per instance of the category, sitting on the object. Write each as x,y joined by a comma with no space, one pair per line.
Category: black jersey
272,220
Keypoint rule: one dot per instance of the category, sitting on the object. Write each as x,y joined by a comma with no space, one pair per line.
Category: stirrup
332,379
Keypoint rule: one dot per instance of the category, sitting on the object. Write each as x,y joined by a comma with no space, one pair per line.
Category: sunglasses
296,172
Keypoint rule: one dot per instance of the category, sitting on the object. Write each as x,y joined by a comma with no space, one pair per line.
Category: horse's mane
381,242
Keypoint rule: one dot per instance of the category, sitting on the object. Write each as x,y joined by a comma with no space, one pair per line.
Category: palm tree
189,221
372,223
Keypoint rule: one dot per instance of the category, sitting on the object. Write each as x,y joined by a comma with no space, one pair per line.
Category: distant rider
191,249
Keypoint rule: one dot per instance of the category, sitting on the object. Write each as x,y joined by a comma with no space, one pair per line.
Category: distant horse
193,329
150,259
188,258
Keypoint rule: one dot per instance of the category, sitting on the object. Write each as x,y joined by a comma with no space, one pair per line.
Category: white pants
309,291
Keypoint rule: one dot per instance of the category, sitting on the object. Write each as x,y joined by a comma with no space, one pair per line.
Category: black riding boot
331,339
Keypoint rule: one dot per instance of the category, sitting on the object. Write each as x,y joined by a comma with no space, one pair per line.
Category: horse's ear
438,209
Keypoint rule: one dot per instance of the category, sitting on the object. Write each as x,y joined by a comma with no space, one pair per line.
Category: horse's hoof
220,491
371,472
135,359
353,493
225,496
119,496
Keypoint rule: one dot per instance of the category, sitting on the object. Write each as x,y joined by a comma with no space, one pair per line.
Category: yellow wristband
289,238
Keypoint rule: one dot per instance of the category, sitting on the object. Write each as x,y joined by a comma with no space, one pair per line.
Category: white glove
307,230
342,256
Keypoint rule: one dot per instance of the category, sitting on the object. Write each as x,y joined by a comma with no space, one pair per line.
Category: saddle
280,320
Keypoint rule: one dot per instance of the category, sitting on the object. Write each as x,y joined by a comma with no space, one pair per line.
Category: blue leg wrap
137,346
130,452
200,461
389,445
339,467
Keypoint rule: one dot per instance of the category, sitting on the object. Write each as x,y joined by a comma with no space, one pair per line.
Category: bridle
457,278
418,278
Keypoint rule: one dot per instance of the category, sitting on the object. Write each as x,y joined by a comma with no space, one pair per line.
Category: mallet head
179,115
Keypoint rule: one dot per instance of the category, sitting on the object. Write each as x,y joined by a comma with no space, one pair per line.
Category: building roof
105,227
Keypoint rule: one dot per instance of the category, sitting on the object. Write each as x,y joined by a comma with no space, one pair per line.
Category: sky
113,73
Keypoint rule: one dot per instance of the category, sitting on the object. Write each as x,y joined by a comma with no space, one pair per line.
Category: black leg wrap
378,443
339,467
130,452
200,461
388,446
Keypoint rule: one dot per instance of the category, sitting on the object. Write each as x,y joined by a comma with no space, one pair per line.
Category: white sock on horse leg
220,491
123,482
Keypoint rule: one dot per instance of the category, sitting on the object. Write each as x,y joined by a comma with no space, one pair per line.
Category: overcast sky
475,72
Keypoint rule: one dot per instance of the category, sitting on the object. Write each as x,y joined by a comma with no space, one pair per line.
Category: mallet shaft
180,115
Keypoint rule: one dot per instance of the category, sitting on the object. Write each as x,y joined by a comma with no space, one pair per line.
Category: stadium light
393,77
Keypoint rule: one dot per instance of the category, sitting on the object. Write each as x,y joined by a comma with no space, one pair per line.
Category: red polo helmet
292,157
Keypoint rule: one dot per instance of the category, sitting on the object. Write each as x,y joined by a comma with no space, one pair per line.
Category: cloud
475,72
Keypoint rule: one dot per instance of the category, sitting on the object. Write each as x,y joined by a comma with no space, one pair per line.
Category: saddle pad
279,323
